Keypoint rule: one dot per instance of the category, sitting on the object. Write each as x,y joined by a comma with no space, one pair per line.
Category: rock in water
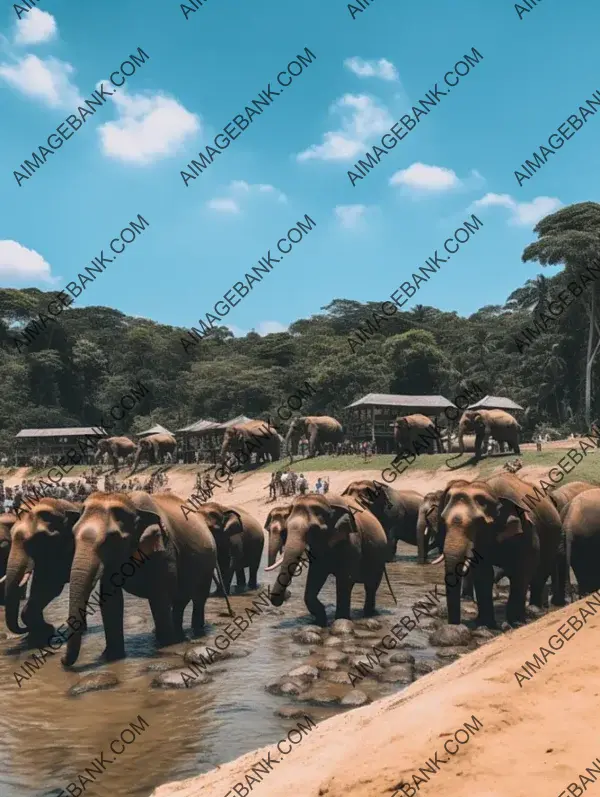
369,623
425,667
93,683
174,679
342,628
320,697
398,674
326,664
285,686
304,637
452,652
336,655
450,636
333,642
402,658
355,698
292,713
305,673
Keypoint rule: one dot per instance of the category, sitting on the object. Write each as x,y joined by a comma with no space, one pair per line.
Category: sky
370,67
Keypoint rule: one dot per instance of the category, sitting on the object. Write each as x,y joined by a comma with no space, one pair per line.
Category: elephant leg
240,578
559,577
253,576
112,618
371,587
41,593
467,586
515,606
178,609
483,578
343,595
516,448
314,584
199,596
162,614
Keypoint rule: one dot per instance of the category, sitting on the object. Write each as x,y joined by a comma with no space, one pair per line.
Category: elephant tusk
2,580
276,565
25,579
438,560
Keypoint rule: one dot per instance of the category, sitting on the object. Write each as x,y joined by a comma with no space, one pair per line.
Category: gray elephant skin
319,429
344,541
255,436
181,553
116,448
489,423
154,448
417,433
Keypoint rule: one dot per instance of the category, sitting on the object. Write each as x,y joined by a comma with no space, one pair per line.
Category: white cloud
426,178
382,69
224,205
239,189
349,215
47,80
522,214
37,26
149,127
21,264
362,119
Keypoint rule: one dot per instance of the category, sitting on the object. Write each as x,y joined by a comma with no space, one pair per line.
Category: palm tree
572,236
533,296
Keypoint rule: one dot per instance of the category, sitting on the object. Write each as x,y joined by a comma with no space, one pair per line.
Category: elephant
240,541
179,557
408,430
427,525
7,521
275,527
319,429
42,542
489,423
344,541
563,495
396,510
581,525
258,436
115,447
154,447
491,519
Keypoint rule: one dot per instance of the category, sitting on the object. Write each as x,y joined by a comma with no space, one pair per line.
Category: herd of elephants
482,530
321,431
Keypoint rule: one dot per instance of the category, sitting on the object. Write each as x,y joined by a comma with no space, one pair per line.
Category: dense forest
80,364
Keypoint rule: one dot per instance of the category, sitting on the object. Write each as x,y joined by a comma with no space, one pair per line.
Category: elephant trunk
457,547
15,570
274,548
422,542
291,556
83,575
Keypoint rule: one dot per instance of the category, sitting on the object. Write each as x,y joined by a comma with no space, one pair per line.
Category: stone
336,655
412,646
355,698
284,686
304,672
159,666
301,654
326,665
362,634
200,654
292,713
338,677
452,652
319,696
401,658
351,649
398,674
484,633
173,679
93,683
425,667
450,636
333,642
304,637
342,628
370,623
316,629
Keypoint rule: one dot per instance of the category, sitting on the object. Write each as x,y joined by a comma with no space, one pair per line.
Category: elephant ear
513,517
343,522
281,511
232,522
153,536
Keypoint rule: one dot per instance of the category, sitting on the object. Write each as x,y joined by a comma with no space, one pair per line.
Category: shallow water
49,737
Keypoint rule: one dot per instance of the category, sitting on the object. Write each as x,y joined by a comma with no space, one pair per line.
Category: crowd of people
286,483
29,490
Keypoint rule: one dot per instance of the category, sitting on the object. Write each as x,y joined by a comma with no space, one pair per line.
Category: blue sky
202,71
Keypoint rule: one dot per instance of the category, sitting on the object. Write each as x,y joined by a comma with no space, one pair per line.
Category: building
158,429
53,443
372,416
495,403
201,441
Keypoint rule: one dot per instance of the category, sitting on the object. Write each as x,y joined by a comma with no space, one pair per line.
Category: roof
495,403
158,429
431,403
200,426
234,421
69,431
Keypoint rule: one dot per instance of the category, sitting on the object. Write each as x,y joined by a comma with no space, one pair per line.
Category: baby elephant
240,541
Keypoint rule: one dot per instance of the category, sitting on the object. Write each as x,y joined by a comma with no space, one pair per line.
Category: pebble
401,658
93,683
450,636
292,713
304,637
304,672
320,697
342,628
355,698
398,674
173,679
